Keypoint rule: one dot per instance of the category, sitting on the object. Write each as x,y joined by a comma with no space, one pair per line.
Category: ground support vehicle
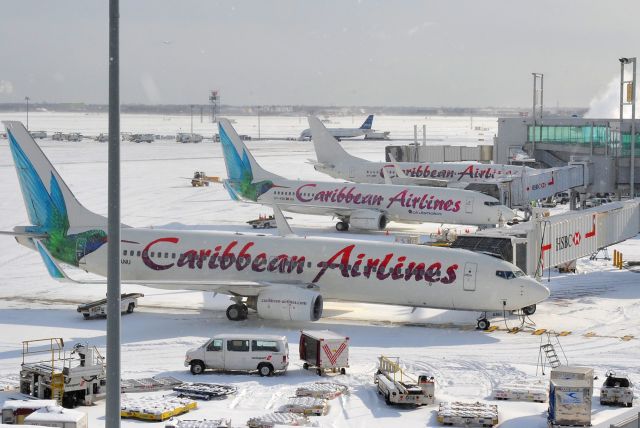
201,179
204,391
264,353
616,391
468,414
128,303
326,390
70,379
143,138
398,387
14,411
271,420
148,384
186,137
192,423
324,350
522,391
307,406
155,408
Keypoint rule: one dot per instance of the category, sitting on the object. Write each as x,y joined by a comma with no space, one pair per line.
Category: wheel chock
590,334
564,333
514,330
492,328
539,332
627,338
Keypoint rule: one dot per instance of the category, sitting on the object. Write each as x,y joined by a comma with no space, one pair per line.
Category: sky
453,53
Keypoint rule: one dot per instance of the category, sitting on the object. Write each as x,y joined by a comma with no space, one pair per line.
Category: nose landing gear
483,322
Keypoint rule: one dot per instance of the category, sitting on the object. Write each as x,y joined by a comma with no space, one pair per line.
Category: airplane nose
536,291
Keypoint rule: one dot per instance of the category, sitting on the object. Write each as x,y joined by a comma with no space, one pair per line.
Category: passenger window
215,345
166,255
153,254
124,253
264,345
238,345
138,253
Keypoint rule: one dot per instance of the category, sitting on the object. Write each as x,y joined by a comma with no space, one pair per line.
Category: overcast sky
329,52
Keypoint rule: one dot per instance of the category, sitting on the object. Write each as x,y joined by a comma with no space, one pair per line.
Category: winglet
399,172
283,225
387,177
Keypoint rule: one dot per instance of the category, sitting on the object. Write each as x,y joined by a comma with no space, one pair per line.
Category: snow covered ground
156,191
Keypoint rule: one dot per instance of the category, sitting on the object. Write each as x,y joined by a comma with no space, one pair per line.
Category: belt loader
397,387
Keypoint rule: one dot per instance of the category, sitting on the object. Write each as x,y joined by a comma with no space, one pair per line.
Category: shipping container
573,373
570,402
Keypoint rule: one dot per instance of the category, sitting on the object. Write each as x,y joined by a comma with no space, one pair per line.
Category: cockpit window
507,274
492,203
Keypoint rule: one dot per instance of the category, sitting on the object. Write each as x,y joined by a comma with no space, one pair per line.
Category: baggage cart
204,391
149,384
324,350
155,408
308,406
468,414
522,391
271,420
326,390
192,423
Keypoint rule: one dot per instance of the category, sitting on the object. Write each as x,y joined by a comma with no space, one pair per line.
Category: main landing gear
529,310
237,312
342,226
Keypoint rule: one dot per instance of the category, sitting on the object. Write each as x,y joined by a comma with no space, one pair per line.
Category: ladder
57,387
548,354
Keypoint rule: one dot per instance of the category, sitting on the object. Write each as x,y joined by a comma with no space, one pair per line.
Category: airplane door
352,172
80,248
468,206
469,282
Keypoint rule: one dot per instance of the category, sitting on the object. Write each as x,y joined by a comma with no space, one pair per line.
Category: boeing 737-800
333,160
363,206
281,277
340,133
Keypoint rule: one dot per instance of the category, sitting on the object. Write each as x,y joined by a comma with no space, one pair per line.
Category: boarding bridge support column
573,200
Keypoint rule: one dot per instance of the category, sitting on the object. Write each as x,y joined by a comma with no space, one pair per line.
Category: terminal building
557,141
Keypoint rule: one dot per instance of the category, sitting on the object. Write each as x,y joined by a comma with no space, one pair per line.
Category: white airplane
363,206
340,133
333,160
283,277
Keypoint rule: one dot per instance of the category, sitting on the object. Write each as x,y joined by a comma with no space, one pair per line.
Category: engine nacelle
368,220
289,304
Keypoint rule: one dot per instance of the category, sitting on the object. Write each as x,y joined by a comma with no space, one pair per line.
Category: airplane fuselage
408,204
361,271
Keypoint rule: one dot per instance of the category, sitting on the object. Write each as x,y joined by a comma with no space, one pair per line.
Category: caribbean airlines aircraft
340,133
363,206
283,277
333,160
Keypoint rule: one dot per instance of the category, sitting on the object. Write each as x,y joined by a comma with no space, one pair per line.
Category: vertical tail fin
328,150
368,122
49,201
237,157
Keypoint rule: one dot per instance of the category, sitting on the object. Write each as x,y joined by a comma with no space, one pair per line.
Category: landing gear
529,310
483,324
237,312
342,226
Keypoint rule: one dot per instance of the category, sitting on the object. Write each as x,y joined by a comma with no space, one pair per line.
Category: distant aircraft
363,206
283,277
333,160
340,133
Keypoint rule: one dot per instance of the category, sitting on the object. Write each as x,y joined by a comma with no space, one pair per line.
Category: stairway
551,355
57,387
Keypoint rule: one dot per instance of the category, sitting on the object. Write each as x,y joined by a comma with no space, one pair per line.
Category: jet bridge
548,241
532,185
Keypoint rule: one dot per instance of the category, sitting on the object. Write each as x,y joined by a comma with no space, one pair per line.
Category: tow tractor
201,179
616,390
128,303
397,387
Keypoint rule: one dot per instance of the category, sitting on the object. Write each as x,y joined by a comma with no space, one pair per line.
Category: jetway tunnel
546,242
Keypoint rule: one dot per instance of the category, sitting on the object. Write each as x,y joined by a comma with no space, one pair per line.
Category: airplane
334,161
363,206
340,133
282,277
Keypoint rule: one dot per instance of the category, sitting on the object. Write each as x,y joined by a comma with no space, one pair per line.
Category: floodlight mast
631,99
112,409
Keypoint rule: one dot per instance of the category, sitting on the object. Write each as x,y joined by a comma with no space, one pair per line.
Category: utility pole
112,409
27,100
537,77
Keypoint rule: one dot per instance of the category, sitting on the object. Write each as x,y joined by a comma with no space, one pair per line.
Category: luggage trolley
324,350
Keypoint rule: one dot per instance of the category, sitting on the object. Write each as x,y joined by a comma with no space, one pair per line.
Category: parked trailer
324,350
128,302
59,417
398,387
522,391
468,414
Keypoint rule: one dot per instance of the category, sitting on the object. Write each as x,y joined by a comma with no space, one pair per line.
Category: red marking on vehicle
333,356
552,180
544,249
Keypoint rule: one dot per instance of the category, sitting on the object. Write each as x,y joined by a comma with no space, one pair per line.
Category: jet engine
289,304
368,220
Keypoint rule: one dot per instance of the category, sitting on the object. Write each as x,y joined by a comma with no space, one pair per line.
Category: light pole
258,123
536,77
191,122
630,99
27,100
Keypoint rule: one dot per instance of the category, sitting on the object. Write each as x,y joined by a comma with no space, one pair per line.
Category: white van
263,353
